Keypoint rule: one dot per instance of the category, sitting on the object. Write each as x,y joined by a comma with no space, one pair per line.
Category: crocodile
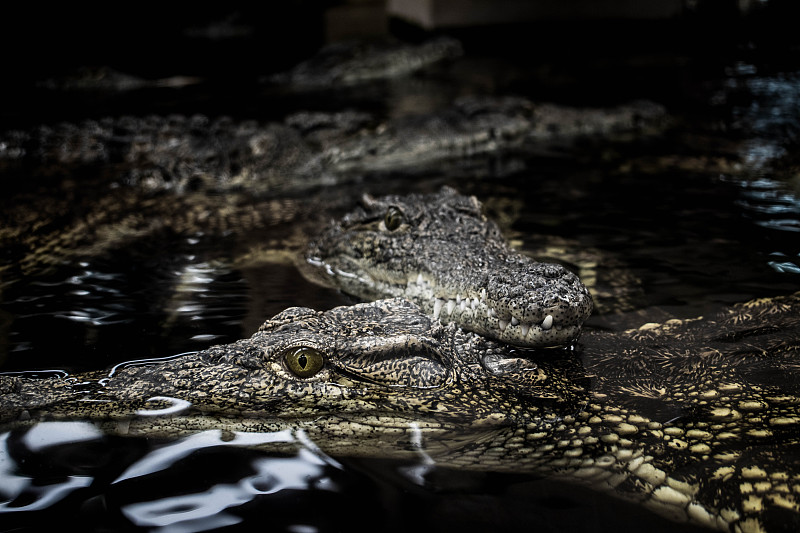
687,418
344,64
307,149
142,175
441,252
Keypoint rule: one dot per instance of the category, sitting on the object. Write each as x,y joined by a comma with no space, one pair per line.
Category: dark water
702,216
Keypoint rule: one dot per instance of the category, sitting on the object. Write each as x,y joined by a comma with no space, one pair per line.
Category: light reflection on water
772,206
23,489
787,266
205,509
768,197
166,456
767,113
101,295
96,306
39,494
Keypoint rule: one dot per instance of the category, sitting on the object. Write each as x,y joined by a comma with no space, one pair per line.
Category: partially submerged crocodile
139,176
307,149
344,64
686,418
441,252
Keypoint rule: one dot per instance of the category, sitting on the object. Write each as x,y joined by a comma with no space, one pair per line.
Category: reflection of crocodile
442,253
688,418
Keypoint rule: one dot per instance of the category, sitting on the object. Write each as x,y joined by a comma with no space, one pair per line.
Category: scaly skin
184,154
440,252
692,419
352,63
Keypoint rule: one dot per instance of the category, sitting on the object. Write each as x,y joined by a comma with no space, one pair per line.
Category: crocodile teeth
514,321
525,328
437,307
451,304
547,323
474,303
503,324
420,281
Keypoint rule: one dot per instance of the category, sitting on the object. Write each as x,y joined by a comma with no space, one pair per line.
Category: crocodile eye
393,218
303,361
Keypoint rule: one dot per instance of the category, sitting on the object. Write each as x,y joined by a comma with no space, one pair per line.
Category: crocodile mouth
525,320
539,324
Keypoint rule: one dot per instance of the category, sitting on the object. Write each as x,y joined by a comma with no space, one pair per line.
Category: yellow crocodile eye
303,361
393,218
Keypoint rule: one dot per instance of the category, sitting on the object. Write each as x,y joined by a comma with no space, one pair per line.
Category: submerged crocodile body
685,418
441,252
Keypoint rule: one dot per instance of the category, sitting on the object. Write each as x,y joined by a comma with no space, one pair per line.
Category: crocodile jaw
477,311
494,307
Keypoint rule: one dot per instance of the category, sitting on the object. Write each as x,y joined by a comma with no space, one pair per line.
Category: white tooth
419,279
525,328
474,303
514,321
463,305
547,323
458,298
483,294
503,324
491,312
437,307
451,304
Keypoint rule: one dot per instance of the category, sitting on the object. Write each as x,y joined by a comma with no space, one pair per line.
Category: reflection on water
26,488
204,510
36,495
768,110
770,204
101,295
109,311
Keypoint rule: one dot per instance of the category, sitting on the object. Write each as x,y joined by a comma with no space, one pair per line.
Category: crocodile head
376,372
440,252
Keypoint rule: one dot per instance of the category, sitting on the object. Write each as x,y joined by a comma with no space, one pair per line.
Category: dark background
233,45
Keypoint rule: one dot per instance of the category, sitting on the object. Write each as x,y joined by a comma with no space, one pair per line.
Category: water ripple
42,496
204,510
